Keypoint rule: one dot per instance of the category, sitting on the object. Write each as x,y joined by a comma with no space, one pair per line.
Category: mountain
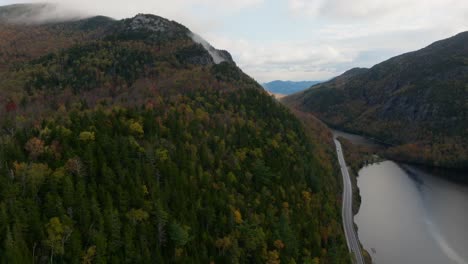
288,87
137,141
416,102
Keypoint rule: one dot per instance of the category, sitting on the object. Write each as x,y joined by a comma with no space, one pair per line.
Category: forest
118,150
201,178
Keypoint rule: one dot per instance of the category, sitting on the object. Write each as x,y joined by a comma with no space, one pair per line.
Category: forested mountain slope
417,101
125,142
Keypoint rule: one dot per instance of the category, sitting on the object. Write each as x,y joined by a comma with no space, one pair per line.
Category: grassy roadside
356,157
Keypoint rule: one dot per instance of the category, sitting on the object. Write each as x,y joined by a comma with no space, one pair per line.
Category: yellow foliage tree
57,234
224,243
237,216
136,128
89,255
87,136
279,244
273,257
137,215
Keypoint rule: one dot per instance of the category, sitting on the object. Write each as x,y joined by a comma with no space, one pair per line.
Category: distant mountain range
288,87
417,101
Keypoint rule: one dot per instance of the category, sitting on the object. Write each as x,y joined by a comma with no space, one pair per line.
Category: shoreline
356,197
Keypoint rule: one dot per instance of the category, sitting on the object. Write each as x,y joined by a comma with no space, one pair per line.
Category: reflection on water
412,214
443,244
408,215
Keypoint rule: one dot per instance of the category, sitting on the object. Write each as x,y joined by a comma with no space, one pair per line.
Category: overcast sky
301,39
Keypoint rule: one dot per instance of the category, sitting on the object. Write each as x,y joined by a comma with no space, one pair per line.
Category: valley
132,137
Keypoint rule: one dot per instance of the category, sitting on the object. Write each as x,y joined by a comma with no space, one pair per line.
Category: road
347,209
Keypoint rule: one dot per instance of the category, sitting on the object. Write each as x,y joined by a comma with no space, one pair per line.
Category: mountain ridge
420,94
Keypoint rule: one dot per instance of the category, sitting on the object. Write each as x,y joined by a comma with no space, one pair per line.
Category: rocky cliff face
157,30
151,23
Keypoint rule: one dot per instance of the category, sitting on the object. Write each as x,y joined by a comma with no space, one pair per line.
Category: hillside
288,87
135,141
418,102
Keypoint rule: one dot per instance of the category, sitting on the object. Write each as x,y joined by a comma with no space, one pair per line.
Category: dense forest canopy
123,143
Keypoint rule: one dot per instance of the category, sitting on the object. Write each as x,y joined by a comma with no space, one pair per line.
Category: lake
409,214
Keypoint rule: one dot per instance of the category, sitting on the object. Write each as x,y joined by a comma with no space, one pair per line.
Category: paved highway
347,209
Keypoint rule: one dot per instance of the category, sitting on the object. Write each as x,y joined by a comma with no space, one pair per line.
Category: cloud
40,13
375,9
308,60
174,9
199,15
217,58
301,39
330,51
343,34
359,33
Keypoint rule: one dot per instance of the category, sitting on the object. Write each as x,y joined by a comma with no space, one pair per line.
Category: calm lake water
412,215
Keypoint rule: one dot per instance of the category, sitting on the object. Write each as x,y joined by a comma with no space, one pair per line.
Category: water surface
409,215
